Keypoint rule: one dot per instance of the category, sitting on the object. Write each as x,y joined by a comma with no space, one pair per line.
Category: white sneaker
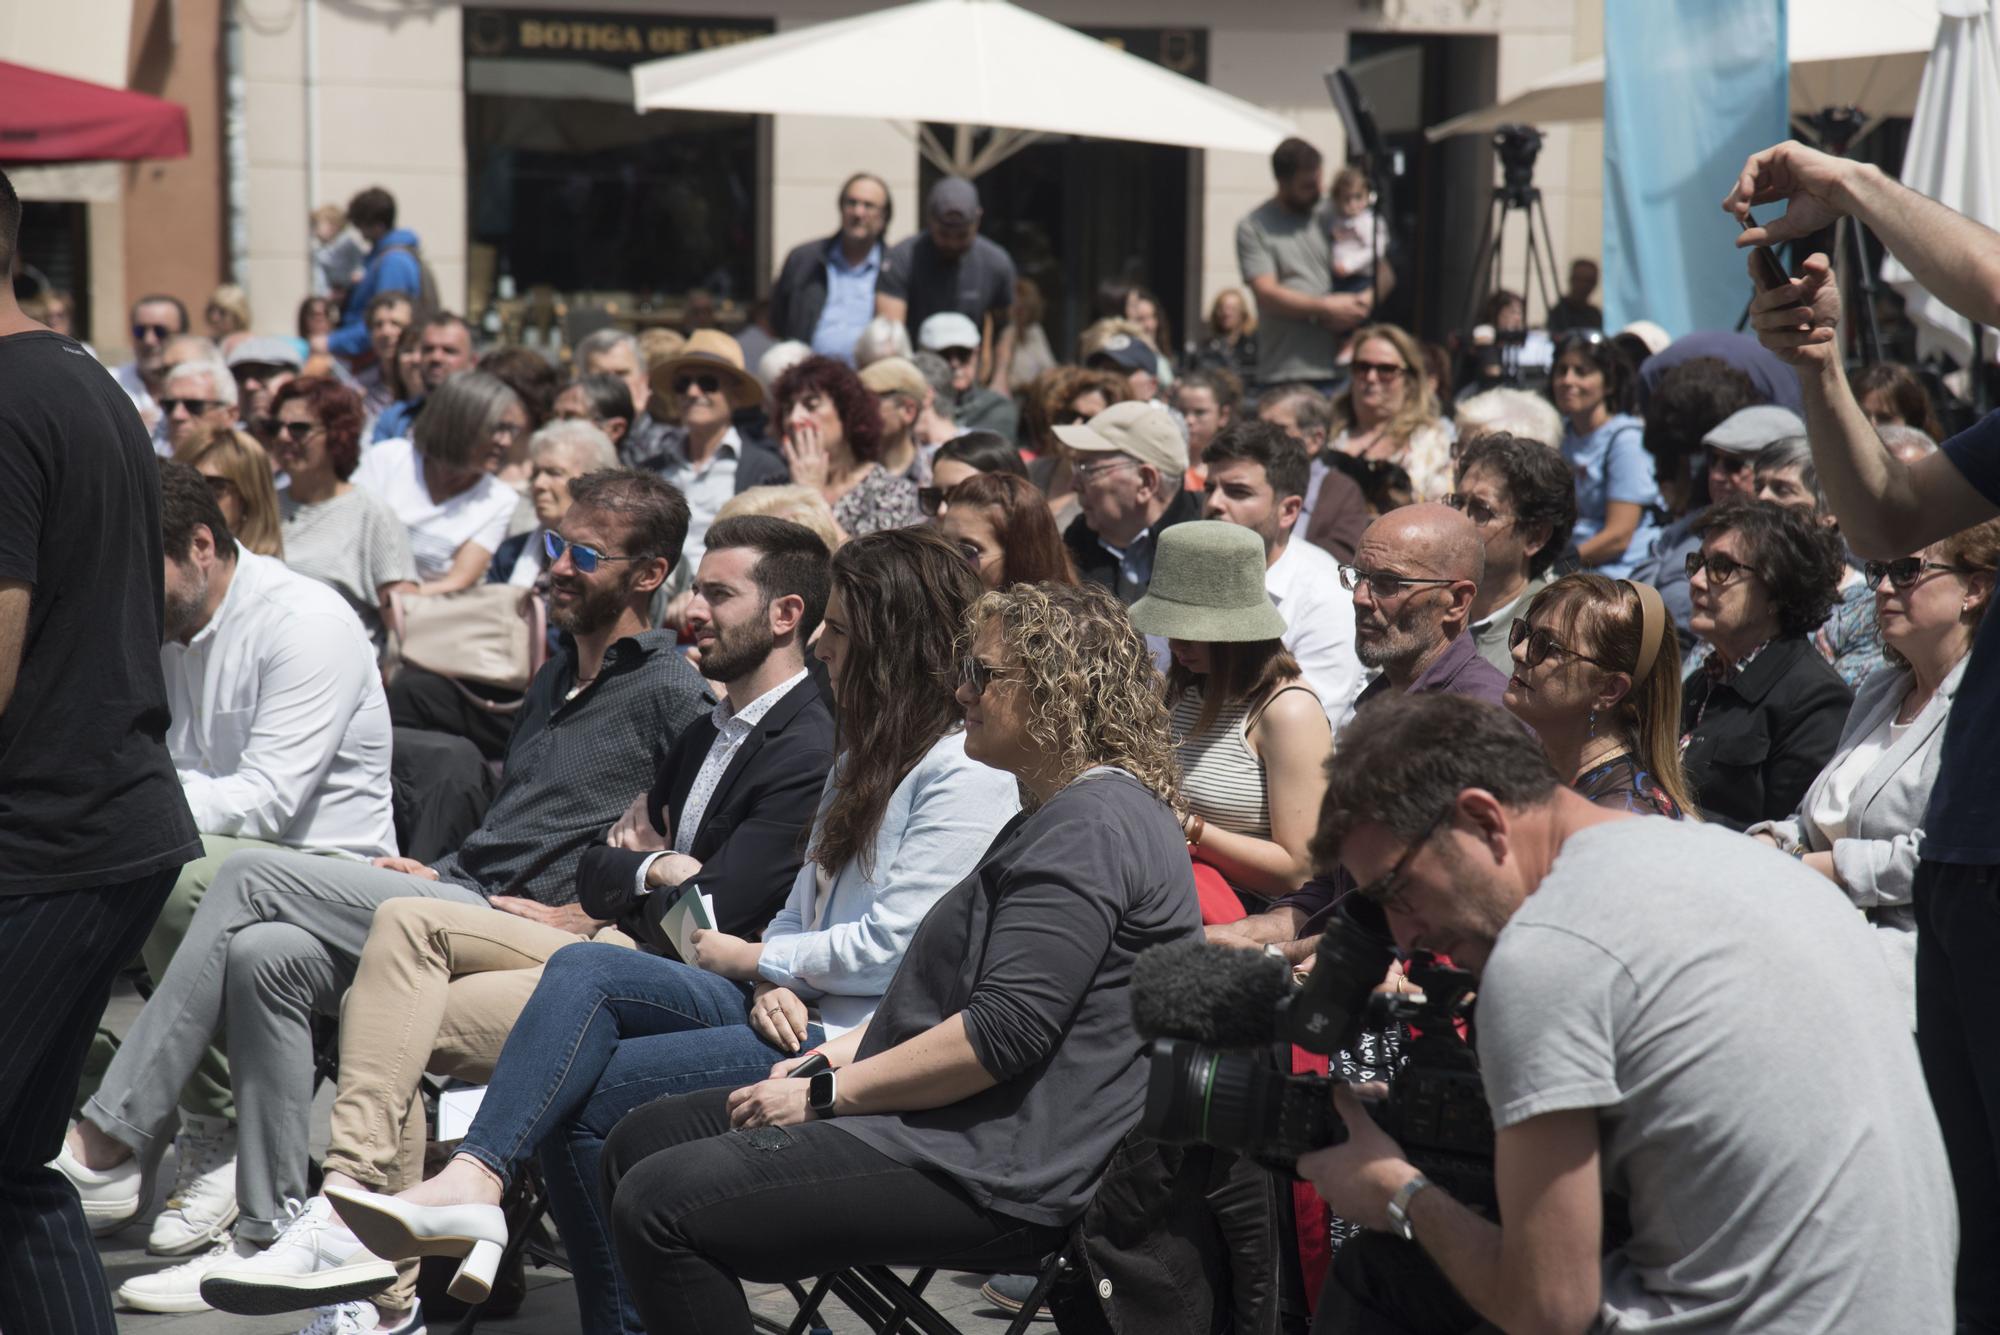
362,1319
315,1261
178,1287
111,1198
202,1205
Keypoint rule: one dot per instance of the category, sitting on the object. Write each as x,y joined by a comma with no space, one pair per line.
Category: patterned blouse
1620,785
878,501
1851,638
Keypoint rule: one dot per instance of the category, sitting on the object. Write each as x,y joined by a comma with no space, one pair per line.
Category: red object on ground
50,118
1219,903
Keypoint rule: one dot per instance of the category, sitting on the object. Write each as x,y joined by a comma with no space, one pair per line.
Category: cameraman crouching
1668,1012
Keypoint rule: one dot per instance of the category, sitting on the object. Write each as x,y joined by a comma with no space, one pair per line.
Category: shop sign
619,40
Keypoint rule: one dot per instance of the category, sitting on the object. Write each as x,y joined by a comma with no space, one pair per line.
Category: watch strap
1399,1206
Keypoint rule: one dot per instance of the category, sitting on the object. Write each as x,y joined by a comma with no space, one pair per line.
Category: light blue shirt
850,303
839,945
1611,464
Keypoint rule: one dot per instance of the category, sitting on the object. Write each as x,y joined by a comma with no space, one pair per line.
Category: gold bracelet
1200,828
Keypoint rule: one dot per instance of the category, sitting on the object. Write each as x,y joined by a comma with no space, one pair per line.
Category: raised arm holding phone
1887,510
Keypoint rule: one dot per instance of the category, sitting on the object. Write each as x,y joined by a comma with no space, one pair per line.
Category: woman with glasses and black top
1762,715
1860,822
1388,423
1597,675
1618,499
339,534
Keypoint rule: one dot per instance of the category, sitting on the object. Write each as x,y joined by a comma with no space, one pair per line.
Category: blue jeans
607,1030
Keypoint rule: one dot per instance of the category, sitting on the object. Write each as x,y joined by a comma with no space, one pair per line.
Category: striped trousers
58,955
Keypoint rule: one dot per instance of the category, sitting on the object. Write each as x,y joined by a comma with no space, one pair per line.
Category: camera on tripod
1518,146
1213,1013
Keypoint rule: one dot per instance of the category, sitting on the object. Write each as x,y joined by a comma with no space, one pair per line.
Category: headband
1652,626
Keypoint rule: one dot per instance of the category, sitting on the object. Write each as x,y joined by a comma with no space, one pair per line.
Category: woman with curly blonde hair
949,1125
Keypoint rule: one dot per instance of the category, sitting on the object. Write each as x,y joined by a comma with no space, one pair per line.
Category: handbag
492,635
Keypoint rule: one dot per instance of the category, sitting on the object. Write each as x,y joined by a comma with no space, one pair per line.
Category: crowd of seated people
880,710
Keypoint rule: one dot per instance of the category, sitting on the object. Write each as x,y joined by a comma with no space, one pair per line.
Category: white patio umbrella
965,63
1844,53
1954,154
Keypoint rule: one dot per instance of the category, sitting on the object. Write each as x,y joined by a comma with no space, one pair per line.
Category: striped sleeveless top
1221,777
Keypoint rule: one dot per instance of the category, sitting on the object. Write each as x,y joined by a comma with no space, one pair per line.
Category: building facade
506,132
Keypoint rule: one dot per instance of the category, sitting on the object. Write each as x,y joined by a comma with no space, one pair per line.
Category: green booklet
693,909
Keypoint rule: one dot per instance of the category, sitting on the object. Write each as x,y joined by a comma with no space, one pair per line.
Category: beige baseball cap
896,374
1143,430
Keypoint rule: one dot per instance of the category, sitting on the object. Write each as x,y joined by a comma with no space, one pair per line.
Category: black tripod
1517,193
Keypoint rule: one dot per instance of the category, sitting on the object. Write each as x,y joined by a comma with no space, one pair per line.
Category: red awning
49,118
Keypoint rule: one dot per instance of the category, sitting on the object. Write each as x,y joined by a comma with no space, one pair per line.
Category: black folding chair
891,1305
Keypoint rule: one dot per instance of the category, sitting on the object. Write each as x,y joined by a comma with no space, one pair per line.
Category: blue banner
1691,89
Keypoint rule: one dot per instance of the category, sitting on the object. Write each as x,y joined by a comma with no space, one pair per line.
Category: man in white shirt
1257,475
280,733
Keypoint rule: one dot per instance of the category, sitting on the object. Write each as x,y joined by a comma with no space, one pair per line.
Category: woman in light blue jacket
904,817
1860,824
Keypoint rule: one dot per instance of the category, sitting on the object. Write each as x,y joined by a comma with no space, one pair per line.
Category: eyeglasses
1904,573
975,675
1384,890
1721,569
865,205
1089,471
1478,511
582,556
194,407
298,432
1377,370
142,332
1728,464
505,430
958,356
1069,417
1382,584
707,384
930,500
1542,643
219,487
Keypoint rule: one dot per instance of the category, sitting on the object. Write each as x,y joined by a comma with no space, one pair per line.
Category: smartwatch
820,1094
1399,1206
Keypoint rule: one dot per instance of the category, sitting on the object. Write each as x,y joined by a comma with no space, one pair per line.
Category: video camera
1212,1013
1518,146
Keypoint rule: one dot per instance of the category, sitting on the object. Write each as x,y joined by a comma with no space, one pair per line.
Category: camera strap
1652,626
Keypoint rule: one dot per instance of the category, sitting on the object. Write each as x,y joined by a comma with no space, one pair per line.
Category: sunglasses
1478,511
1384,890
297,432
930,500
976,676
219,486
958,356
1721,569
1377,370
1904,573
585,558
1541,644
1069,417
142,332
1382,585
195,407
707,384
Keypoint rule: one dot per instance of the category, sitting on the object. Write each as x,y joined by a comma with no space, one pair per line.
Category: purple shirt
1459,670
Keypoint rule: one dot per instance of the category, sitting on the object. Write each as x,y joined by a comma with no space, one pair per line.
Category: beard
185,605
590,608
1401,640
738,651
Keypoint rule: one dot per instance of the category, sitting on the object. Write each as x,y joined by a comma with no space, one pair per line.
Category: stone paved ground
551,1305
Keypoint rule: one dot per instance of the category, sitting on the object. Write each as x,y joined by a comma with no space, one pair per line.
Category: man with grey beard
1413,578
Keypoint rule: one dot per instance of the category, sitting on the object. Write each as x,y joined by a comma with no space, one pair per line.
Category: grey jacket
1878,861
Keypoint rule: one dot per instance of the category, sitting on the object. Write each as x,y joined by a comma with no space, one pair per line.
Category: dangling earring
1593,723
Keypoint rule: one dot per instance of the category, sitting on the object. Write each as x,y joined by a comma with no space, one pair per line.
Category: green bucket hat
1208,585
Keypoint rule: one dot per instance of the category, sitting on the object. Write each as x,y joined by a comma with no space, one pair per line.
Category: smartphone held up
1765,270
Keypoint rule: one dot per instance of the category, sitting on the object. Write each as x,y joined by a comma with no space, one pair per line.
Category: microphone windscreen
1220,996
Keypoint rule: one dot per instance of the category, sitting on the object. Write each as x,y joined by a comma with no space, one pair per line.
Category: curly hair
860,414
1604,356
338,409
1798,558
904,592
1055,390
1691,400
1539,485
1093,694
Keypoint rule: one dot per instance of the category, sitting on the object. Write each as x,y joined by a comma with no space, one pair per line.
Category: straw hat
1208,586
709,352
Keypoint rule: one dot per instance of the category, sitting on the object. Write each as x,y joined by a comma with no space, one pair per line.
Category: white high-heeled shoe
397,1230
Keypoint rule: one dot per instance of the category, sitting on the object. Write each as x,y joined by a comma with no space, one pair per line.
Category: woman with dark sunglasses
1762,713
1860,821
1597,675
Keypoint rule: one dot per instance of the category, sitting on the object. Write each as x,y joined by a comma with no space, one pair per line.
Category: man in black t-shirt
93,827
950,267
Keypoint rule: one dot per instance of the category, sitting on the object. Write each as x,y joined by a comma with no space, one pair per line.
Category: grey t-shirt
1035,950
1729,1018
976,284
1294,247
352,542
